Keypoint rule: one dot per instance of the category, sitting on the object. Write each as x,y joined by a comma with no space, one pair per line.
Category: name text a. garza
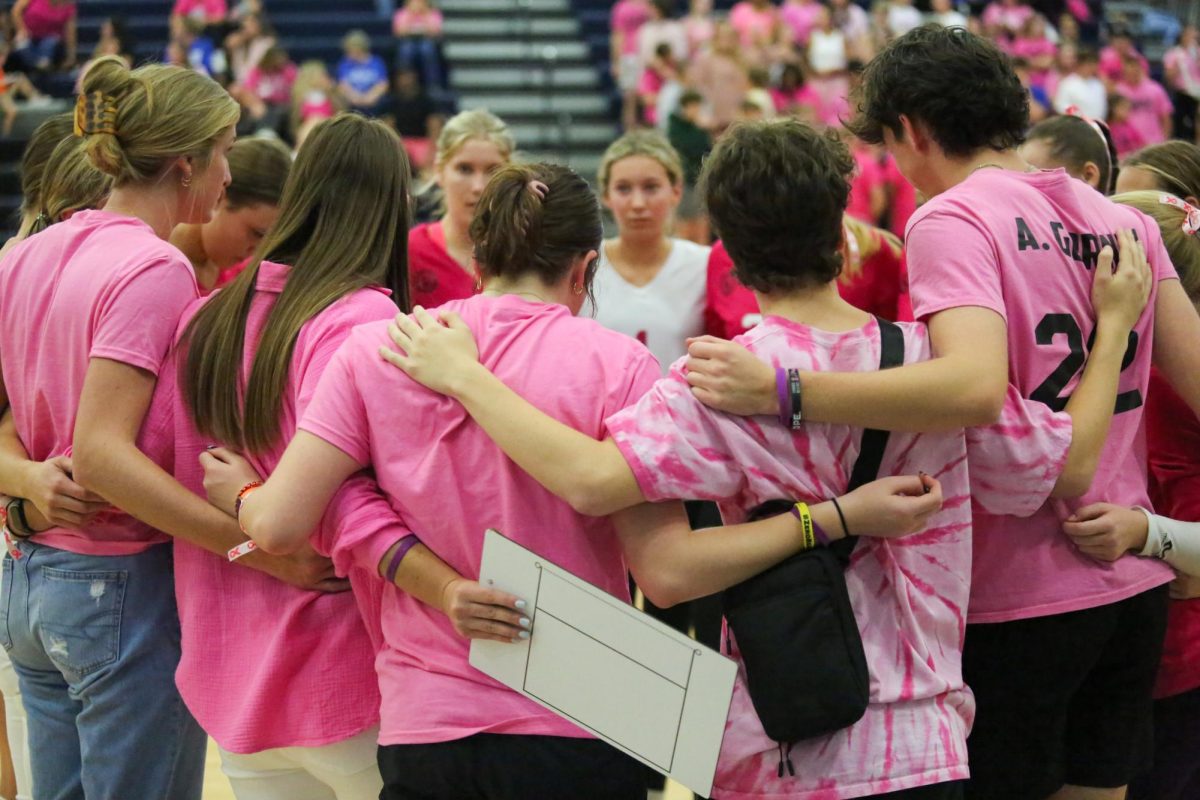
1083,248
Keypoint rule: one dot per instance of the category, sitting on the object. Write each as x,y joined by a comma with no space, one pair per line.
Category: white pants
345,770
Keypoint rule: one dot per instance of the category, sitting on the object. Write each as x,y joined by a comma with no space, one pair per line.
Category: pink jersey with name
909,595
450,482
1024,245
99,285
260,656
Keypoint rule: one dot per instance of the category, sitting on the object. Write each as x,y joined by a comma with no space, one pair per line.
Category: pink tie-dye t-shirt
909,595
1024,246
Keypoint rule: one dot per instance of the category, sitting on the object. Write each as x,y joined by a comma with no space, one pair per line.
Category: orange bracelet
241,498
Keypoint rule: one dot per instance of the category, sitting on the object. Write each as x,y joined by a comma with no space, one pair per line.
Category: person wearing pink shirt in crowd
626,19
266,91
302,720
829,61
42,27
418,31
1127,136
757,23
799,17
87,314
1003,19
1181,65
794,96
1060,651
1150,107
698,25
668,445
1120,46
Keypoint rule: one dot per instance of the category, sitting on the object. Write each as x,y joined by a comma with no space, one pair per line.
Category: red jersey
1173,437
434,277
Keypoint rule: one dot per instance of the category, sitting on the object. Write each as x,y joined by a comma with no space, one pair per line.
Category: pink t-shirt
447,479
99,285
628,16
1110,63
1024,245
1187,61
909,595
752,24
272,87
203,9
1150,104
258,654
1031,49
1010,18
44,19
800,19
429,23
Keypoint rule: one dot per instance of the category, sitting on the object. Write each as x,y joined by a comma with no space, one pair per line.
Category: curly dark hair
959,85
776,191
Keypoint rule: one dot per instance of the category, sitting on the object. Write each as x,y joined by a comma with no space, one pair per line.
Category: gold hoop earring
576,288
187,182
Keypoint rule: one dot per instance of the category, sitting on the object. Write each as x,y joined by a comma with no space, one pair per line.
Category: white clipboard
617,673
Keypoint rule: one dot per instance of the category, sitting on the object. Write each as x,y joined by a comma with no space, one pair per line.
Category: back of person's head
1180,238
258,170
690,97
956,84
1175,166
37,154
644,142
519,229
137,123
343,225
71,183
1083,147
475,124
776,191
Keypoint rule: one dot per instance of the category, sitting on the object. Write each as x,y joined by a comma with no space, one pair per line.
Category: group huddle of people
257,422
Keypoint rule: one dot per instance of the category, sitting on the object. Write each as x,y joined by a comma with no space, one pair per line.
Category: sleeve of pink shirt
336,412
675,446
951,264
360,526
136,321
1015,462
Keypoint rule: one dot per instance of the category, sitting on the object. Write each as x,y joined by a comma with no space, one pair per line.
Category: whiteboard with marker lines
623,676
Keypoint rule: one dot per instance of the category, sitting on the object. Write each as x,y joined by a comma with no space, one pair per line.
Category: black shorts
1063,699
499,767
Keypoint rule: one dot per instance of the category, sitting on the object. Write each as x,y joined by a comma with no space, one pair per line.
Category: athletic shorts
1063,699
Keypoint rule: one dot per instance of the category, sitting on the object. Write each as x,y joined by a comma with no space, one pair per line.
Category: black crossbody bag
805,666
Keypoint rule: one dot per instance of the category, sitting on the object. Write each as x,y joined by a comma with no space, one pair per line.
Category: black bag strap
874,442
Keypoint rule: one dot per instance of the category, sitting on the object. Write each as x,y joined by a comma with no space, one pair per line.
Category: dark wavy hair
957,84
776,192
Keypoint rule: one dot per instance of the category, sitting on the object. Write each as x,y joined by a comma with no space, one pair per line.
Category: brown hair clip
95,113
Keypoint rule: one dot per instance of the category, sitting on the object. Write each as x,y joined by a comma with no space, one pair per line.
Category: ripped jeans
95,644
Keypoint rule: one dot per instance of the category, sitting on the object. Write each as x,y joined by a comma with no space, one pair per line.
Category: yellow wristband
806,524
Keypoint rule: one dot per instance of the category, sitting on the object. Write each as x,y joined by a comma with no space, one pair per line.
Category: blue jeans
40,53
422,55
95,643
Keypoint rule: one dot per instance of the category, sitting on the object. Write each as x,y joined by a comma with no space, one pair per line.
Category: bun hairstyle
520,230
258,169
37,155
70,182
137,122
343,226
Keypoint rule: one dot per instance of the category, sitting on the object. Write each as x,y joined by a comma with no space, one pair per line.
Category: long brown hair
343,225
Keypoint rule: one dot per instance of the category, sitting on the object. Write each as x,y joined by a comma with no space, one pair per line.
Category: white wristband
245,548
